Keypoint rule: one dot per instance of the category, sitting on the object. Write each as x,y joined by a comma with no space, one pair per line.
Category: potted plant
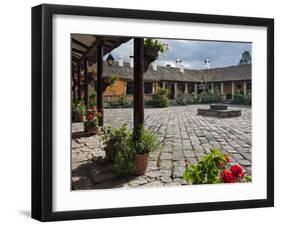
108,81
145,143
92,122
92,102
78,111
152,47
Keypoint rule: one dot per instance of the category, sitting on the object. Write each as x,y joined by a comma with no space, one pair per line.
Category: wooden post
79,82
99,83
73,85
138,85
86,95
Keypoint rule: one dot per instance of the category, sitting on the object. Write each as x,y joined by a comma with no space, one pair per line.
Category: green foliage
119,149
246,58
205,98
238,98
207,170
150,42
92,99
210,98
78,107
159,99
146,142
123,102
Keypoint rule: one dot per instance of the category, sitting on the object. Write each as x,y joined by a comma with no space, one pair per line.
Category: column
164,85
232,89
222,92
176,86
138,86
245,88
195,89
185,88
99,83
212,88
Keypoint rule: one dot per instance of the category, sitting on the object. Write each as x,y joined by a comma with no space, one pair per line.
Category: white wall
15,93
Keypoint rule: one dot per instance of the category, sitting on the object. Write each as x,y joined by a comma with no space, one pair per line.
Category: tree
246,58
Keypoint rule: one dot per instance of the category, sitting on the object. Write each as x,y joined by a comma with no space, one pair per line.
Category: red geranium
227,177
237,170
90,117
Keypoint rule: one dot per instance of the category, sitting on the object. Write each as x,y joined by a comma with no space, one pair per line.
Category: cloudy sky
193,53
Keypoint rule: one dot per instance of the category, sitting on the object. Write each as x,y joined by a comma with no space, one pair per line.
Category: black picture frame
42,111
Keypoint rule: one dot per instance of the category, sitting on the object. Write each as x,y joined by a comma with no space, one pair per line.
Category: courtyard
184,137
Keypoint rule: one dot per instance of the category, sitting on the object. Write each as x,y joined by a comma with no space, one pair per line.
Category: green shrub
119,149
238,98
124,102
248,99
146,142
210,98
159,99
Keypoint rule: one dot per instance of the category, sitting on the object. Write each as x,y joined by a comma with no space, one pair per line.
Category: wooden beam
74,58
79,44
86,94
79,82
138,86
99,83
78,51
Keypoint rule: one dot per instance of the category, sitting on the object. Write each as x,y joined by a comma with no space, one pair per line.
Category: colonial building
225,80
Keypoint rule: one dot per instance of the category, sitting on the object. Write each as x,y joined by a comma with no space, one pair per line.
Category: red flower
90,117
237,170
227,177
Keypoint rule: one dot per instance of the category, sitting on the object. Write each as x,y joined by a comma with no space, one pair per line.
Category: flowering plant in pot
146,142
152,48
91,125
214,168
78,111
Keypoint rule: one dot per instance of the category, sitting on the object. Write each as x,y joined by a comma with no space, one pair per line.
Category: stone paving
185,137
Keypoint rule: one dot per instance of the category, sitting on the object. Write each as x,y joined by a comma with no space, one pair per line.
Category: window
148,87
130,88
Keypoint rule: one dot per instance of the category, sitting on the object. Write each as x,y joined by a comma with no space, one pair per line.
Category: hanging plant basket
150,54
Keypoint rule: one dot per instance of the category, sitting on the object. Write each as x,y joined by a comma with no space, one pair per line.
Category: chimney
178,62
120,62
182,68
131,61
154,66
207,63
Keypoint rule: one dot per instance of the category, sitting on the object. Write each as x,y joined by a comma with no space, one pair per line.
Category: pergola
90,48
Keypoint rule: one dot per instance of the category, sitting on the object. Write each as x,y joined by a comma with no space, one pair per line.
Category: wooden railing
116,98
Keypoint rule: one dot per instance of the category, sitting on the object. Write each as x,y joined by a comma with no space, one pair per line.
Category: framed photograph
146,112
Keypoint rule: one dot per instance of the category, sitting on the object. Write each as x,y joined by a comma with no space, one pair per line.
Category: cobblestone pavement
185,137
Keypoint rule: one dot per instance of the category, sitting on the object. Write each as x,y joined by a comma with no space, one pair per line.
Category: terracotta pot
150,54
90,129
140,161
